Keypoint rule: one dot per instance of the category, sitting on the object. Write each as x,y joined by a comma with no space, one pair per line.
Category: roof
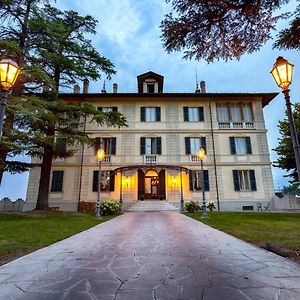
266,98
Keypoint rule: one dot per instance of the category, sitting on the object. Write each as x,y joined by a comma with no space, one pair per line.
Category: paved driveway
153,255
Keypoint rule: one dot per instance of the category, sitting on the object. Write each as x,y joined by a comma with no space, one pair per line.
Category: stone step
152,205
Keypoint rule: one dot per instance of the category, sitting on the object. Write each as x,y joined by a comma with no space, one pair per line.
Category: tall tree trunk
46,165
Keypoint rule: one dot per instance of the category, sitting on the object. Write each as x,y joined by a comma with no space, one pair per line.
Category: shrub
110,207
192,206
211,205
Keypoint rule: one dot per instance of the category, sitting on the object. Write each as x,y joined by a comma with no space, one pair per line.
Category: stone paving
153,255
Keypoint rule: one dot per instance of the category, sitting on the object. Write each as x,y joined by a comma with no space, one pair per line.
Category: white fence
7,205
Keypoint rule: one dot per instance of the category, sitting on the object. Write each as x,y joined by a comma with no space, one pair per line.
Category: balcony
236,125
150,159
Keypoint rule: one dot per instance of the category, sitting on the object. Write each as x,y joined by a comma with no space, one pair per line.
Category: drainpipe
181,193
121,195
214,155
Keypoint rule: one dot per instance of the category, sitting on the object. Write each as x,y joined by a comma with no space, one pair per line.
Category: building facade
155,156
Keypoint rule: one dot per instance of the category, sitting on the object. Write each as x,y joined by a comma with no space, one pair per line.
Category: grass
280,229
21,233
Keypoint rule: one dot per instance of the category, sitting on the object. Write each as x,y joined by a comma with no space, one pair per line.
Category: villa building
155,156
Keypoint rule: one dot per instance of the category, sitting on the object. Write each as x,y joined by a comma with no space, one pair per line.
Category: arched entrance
151,184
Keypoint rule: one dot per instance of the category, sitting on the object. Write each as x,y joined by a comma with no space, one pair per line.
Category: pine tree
286,157
225,29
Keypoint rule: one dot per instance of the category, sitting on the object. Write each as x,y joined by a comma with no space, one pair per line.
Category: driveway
151,255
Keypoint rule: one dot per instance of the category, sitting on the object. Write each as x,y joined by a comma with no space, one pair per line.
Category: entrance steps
152,205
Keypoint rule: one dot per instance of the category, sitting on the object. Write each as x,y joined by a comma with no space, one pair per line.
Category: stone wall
7,205
288,202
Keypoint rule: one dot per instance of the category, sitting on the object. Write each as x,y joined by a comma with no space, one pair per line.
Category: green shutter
111,180
206,180
95,181
248,145
236,180
232,145
99,108
252,180
191,180
143,114
162,184
143,145
185,114
115,109
157,114
158,145
113,146
60,145
97,142
141,184
187,146
201,113
203,143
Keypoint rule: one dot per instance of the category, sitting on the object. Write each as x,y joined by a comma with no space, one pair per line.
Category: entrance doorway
151,184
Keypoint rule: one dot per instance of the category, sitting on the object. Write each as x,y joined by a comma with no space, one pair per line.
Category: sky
128,34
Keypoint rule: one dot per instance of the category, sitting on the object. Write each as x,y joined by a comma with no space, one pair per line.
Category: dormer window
150,88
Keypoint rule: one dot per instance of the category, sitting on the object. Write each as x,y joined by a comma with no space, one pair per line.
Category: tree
222,29
56,47
286,157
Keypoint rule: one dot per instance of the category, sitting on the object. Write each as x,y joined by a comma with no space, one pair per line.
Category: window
234,112
192,145
107,109
150,145
150,114
60,145
107,181
193,114
240,145
196,180
57,181
244,180
107,144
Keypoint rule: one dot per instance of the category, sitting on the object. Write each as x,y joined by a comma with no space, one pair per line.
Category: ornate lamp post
100,157
9,72
282,73
201,155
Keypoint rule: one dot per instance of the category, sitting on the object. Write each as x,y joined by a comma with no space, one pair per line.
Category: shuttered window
244,180
195,179
192,145
150,114
240,145
151,146
193,114
107,181
108,145
57,181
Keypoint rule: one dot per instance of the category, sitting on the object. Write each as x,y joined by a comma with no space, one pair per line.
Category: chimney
85,86
76,89
115,88
202,87
197,91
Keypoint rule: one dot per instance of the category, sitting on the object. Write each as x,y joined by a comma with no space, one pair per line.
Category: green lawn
22,233
282,229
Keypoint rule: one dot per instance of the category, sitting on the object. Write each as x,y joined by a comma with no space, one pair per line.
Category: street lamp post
282,73
9,72
201,155
100,157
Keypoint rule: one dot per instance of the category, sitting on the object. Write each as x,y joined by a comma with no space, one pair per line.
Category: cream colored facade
172,163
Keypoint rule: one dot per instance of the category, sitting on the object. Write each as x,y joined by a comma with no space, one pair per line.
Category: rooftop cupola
150,83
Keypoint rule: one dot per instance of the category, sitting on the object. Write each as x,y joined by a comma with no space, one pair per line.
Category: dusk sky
128,34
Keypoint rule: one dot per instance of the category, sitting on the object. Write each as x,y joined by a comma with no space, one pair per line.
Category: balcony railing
150,159
236,125
194,158
106,159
